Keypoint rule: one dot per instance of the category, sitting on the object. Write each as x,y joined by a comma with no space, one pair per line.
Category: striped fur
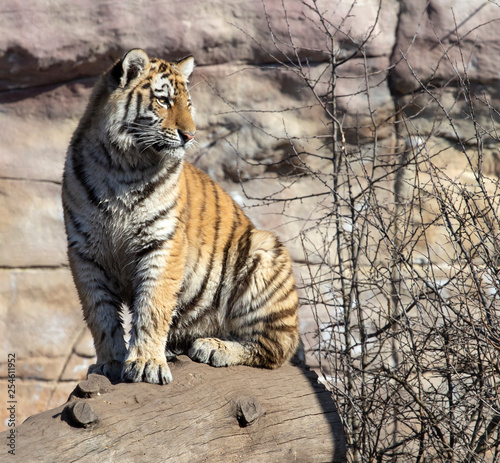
148,231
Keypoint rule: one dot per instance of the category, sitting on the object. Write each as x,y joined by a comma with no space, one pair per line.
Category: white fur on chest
127,222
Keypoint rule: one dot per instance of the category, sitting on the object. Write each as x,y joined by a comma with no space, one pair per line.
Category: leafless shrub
400,257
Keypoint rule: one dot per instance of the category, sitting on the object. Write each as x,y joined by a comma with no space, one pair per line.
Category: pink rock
441,40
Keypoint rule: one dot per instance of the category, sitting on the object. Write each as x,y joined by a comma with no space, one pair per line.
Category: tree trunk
234,414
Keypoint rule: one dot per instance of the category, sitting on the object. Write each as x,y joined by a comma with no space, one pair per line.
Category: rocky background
52,51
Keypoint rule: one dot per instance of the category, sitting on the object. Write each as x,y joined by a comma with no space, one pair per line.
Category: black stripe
244,244
138,104
186,213
272,282
151,98
229,242
275,287
196,299
90,261
178,86
265,299
159,215
102,286
144,278
107,295
113,301
129,99
285,328
152,246
155,244
144,120
150,188
167,74
242,285
201,223
81,176
185,220
271,318
285,296
128,102
267,354
138,175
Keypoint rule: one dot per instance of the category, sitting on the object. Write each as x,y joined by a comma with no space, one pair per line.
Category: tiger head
147,107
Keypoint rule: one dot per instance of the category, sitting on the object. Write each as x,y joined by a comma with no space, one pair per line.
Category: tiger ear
130,67
185,66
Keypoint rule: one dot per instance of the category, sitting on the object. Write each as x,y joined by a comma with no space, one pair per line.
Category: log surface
234,414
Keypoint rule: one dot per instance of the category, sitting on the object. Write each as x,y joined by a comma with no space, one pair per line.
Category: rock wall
51,53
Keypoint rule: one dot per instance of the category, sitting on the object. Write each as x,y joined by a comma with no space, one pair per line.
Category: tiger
149,232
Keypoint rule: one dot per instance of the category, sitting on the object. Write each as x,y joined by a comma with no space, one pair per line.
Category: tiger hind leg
261,326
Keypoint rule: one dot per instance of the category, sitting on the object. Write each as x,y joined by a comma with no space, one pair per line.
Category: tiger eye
162,101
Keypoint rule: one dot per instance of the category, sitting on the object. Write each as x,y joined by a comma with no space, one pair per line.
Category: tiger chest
121,236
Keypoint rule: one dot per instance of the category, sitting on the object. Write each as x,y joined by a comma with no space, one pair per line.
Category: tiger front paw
111,369
211,351
150,371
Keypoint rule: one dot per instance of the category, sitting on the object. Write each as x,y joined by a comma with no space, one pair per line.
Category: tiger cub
149,231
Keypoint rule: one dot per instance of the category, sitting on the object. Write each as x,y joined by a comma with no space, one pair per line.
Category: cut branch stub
248,411
92,386
81,414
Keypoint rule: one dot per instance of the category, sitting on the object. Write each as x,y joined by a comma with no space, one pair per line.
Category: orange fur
151,232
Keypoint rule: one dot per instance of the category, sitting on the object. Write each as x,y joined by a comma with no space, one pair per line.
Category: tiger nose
186,136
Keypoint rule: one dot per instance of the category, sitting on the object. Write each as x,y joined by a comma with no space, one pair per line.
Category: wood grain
235,414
